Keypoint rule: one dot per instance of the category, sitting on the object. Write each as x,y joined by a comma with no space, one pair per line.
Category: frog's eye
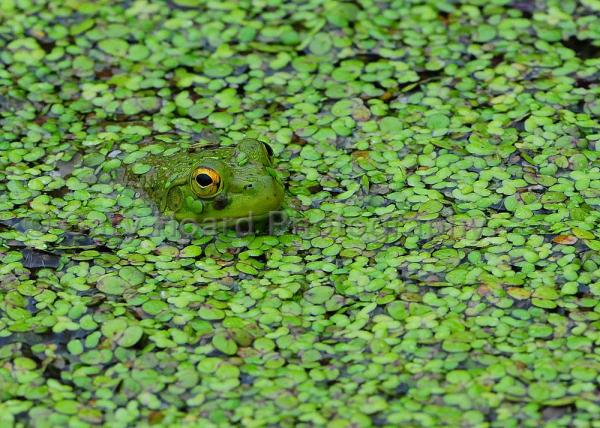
206,182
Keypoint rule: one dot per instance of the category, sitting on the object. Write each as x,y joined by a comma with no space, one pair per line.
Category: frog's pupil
204,180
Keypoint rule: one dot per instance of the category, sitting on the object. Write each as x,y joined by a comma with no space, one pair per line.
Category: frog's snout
259,196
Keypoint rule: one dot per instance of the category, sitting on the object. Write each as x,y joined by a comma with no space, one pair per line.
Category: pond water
436,260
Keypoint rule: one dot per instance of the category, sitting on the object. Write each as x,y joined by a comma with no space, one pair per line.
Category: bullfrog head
219,184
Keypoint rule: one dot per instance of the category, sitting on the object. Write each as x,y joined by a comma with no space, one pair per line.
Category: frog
213,184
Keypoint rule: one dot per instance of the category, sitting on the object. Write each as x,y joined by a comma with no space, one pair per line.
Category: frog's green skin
250,185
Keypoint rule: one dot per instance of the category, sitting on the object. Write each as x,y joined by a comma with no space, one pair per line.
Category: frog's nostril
248,186
220,202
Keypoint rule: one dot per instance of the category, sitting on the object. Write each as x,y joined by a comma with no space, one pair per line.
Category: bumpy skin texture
250,186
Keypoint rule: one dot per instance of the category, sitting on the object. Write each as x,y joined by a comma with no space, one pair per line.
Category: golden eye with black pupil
206,182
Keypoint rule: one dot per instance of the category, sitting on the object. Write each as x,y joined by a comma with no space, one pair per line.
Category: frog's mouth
246,221
261,223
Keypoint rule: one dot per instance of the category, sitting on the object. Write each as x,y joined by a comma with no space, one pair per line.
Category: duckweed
439,259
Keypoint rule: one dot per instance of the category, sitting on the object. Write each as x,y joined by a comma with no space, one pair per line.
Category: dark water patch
22,224
104,73
586,83
364,57
315,189
426,75
47,44
557,412
241,69
32,338
35,259
246,379
498,207
70,239
10,104
59,193
174,4
584,49
40,120
296,139
497,59
444,16
240,90
274,106
519,124
527,7
77,240
65,168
